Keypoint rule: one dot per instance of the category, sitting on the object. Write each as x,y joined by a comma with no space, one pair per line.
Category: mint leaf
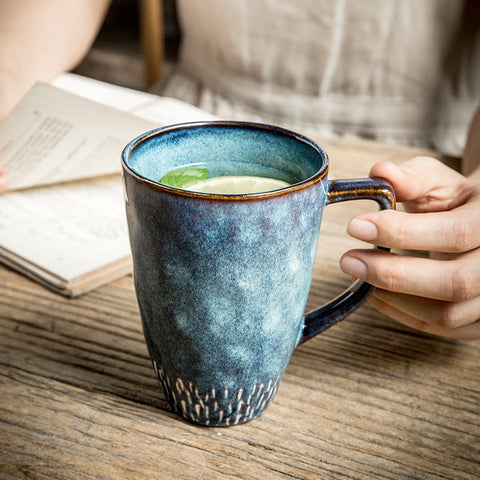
184,177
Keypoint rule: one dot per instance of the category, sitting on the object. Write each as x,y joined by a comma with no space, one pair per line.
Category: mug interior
226,148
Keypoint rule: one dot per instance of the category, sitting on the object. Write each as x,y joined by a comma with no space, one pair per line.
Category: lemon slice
237,184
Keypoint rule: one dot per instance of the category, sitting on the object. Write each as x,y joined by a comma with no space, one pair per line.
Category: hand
441,294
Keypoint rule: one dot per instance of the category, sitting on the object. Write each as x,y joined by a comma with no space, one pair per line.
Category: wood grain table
368,399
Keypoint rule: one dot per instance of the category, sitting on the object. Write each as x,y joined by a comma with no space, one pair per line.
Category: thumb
424,184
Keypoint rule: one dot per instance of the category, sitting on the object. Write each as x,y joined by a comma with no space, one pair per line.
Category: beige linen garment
393,70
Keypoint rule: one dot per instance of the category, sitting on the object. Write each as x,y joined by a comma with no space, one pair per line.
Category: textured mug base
219,406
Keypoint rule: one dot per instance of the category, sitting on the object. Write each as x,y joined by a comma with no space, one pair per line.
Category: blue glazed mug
222,280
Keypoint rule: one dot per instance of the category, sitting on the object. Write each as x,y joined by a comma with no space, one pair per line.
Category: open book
62,221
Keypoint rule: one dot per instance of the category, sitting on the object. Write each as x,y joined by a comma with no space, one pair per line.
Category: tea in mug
197,179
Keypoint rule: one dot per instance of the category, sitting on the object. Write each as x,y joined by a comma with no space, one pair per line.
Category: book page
67,229
54,136
162,111
171,111
121,98
73,236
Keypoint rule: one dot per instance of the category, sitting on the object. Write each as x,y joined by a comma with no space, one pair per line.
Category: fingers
451,206
451,231
454,320
453,280
443,314
425,184
438,296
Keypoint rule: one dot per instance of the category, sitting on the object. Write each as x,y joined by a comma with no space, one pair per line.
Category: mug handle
339,308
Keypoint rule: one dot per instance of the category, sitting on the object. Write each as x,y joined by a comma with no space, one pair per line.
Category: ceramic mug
222,280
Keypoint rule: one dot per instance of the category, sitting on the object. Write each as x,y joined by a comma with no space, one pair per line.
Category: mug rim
315,178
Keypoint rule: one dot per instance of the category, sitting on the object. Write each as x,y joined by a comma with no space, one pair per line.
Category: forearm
40,39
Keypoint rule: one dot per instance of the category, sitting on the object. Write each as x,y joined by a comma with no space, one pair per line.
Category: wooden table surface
368,399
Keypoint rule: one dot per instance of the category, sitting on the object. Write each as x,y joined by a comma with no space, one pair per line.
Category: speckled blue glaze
222,280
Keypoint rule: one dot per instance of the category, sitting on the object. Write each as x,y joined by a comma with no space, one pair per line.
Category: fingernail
354,267
362,229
